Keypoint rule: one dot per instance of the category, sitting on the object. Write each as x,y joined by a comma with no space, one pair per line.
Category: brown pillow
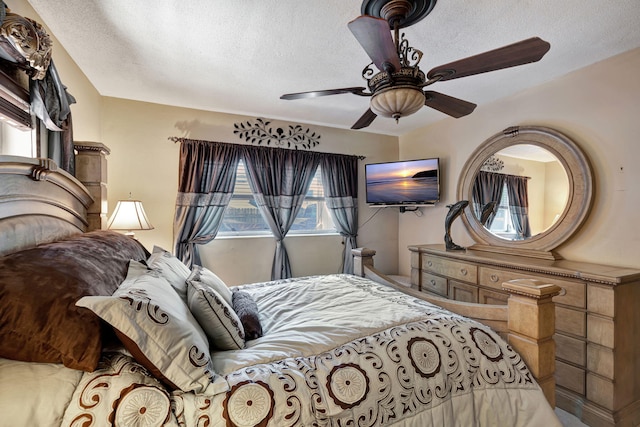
39,287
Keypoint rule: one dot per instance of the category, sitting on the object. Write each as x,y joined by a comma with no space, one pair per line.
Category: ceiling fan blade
316,93
522,52
374,35
454,107
365,120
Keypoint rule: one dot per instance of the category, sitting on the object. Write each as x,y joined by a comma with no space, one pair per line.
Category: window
17,137
16,141
243,218
502,225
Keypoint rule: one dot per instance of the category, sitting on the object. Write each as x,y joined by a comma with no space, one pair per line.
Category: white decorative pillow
171,268
209,278
216,317
156,326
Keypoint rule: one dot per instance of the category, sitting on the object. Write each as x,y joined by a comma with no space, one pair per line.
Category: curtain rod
506,174
182,139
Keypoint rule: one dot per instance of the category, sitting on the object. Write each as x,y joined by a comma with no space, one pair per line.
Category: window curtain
340,185
487,188
518,193
207,176
279,180
59,144
51,104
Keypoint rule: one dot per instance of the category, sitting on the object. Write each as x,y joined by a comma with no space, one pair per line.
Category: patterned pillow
247,311
220,323
159,331
171,268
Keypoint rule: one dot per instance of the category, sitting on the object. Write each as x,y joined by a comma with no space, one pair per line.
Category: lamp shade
129,215
397,101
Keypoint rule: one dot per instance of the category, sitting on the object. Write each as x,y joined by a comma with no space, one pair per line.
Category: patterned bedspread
337,350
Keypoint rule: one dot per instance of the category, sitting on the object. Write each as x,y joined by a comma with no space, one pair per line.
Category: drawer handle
563,292
494,278
432,282
429,263
463,271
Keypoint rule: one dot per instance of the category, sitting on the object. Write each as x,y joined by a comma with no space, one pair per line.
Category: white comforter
337,350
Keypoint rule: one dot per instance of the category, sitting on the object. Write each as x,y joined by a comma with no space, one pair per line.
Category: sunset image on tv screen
411,181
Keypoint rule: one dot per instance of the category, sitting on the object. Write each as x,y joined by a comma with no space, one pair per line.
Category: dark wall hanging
262,132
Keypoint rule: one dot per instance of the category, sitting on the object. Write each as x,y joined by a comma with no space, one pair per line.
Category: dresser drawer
601,330
487,296
572,293
463,292
571,321
601,391
571,377
571,349
601,360
433,283
457,270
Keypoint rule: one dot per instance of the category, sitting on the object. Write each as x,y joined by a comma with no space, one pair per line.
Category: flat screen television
403,183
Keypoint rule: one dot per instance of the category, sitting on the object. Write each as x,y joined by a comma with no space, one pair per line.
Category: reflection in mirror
519,192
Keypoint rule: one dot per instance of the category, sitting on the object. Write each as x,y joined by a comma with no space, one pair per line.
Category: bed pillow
217,318
208,277
39,321
247,311
156,326
171,268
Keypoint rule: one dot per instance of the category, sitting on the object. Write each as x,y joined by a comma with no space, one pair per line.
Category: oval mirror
529,189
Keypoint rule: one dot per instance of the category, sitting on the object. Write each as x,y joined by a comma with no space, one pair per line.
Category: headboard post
362,257
91,170
531,328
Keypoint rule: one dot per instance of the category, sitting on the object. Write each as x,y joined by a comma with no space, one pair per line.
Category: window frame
248,197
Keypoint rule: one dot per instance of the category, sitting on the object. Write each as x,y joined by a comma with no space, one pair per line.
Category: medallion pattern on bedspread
120,392
374,380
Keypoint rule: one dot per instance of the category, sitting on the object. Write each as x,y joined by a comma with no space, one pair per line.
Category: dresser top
574,269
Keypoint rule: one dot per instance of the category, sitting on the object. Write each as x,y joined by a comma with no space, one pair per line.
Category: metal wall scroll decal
492,164
262,132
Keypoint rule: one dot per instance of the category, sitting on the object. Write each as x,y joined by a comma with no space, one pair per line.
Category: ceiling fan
396,89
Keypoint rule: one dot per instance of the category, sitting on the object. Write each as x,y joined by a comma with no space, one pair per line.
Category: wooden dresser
597,321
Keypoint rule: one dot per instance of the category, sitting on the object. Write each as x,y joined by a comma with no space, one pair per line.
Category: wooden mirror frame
579,200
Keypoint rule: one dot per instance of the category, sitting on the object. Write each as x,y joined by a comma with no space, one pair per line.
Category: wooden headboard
39,203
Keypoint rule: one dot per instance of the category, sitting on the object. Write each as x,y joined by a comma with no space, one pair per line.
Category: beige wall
144,162
598,108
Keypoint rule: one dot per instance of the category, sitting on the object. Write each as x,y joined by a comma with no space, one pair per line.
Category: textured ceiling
239,56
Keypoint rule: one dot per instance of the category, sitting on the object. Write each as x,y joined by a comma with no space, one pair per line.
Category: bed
97,330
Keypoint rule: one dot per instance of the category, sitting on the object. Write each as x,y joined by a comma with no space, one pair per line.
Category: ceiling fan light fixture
397,101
